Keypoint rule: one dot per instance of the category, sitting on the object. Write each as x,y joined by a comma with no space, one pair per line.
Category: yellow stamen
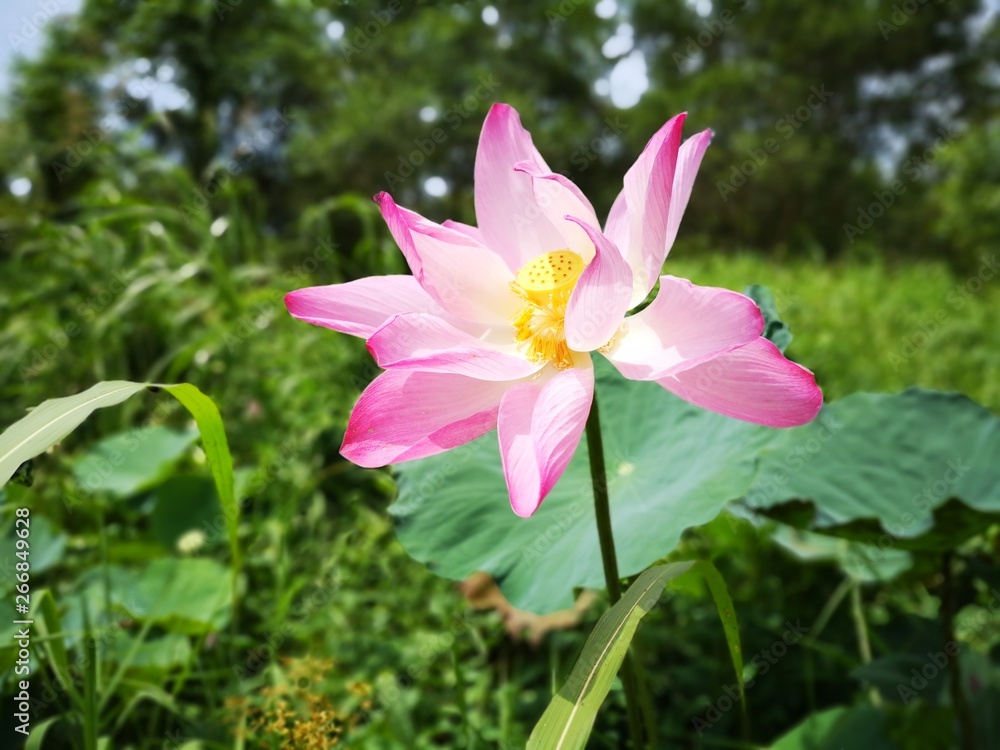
545,284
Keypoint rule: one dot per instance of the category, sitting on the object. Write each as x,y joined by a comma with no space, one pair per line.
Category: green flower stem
599,480
959,700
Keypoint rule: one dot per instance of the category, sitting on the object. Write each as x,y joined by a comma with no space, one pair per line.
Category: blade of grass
569,718
126,662
727,614
213,440
49,627
90,710
34,741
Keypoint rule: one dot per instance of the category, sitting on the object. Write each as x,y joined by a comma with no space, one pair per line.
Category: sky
21,24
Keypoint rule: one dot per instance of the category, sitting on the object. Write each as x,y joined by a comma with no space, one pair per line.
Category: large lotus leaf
671,466
182,595
838,728
918,470
129,462
154,655
862,562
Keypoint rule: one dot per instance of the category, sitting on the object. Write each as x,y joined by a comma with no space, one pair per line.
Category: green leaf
727,614
213,441
900,473
913,471
53,420
810,733
892,675
132,461
48,624
862,562
156,655
37,735
775,329
839,728
671,466
144,692
569,718
183,595
47,545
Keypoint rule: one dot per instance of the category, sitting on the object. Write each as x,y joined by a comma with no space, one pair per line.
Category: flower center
545,285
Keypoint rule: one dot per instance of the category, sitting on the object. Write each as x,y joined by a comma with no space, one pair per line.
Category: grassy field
876,325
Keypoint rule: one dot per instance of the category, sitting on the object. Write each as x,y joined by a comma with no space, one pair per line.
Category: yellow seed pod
551,273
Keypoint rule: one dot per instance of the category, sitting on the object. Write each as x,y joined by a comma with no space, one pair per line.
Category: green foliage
675,473
53,420
156,246
913,470
727,614
775,329
279,115
968,197
567,722
133,469
300,522
873,325
836,728
908,471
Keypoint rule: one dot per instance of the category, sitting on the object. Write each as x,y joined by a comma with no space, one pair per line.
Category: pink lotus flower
496,326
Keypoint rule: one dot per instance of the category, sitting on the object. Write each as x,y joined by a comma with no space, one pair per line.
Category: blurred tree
813,106
811,102
967,200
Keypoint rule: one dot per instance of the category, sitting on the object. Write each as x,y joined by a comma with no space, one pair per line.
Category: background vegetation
171,169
